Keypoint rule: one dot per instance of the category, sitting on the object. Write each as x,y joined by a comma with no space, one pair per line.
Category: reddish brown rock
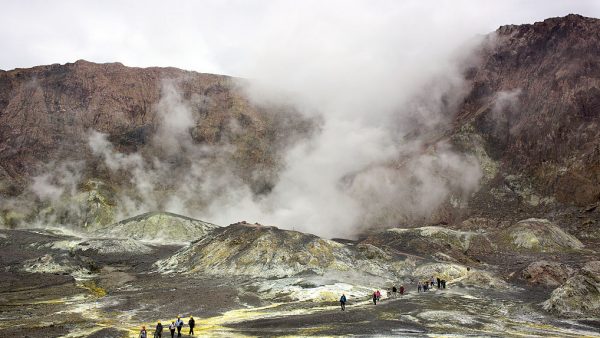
551,274
535,99
46,114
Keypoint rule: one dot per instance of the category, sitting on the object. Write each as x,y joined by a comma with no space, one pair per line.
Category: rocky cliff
531,117
46,111
162,119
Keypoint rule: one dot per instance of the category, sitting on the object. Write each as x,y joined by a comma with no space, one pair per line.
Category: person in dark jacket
343,302
191,323
159,329
143,332
375,298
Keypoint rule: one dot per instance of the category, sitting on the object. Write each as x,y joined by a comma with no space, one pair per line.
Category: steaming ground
354,171
378,101
251,280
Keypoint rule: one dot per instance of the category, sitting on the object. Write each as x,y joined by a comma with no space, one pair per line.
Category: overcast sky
228,36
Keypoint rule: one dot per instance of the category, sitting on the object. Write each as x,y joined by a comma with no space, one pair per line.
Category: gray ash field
82,285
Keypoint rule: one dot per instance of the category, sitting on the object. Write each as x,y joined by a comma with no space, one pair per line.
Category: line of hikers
421,286
175,325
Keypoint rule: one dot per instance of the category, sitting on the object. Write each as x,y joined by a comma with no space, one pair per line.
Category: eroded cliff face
88,127
535,103
46,112
530,116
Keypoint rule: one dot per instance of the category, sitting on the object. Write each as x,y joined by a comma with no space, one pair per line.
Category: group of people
395,290
175,325
376,297
421,286
430,284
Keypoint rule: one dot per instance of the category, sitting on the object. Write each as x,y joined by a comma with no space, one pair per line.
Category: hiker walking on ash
158,331
191,323
179,324
172,329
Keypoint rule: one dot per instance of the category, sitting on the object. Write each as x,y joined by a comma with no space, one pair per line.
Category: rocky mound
265,251
433,241
538,235
160,227
580,295
458,274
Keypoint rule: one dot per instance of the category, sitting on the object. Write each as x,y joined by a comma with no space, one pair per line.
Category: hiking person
375,298
425,286
419,287
378,295
143,333
343,302
191,323
172,329
159,329
401,290
439,282
179,324
394,290
443,283
432,281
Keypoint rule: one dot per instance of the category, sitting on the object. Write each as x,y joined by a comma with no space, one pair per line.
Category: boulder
579,295
551,274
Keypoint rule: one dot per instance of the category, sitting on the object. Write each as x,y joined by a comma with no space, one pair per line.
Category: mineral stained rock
538,235
579,295
160,227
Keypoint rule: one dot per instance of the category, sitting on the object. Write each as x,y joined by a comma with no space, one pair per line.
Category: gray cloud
213,36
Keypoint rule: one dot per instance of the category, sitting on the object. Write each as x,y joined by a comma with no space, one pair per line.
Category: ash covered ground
253,280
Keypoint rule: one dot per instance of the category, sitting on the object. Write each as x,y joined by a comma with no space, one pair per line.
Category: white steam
384,86
385,83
